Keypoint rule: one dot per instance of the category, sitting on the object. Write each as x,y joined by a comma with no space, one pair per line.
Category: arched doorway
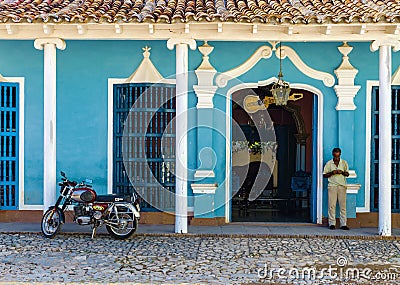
278,200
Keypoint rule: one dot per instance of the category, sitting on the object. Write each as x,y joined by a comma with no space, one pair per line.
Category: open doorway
284,189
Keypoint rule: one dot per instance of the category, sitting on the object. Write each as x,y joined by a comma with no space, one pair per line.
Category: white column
49,113
181,123
385,140
385,132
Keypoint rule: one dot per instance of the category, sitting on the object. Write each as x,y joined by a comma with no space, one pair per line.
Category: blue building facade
83,72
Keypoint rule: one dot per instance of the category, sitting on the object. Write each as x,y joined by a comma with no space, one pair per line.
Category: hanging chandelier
281,89
280,92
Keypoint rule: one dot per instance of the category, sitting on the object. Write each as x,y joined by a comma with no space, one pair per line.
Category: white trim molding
352,174
318,155
21,145
353,188
134,78
368,129
204,188
227,31
202,173
370,84
325,77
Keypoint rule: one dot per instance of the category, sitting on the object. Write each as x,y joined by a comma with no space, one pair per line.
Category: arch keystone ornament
385,132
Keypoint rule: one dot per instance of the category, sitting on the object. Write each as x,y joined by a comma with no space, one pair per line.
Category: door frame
318,157
110,124
20,202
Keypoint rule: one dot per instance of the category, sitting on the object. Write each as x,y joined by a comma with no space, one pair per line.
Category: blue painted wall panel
85,66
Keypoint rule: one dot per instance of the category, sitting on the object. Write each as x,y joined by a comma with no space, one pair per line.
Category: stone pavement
294,229
232,254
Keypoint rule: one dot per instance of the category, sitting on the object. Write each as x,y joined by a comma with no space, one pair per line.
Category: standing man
336,170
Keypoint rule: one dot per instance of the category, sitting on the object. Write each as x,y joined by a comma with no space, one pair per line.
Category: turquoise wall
324,57
84,67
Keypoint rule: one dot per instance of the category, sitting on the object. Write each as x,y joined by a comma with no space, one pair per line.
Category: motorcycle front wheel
51,223
123,225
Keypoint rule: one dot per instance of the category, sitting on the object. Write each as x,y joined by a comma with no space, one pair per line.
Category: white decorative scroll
325,77
264,52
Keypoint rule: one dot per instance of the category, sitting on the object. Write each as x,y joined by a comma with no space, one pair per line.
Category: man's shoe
346,228
332,227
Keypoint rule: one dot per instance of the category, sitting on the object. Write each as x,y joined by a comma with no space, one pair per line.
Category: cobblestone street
195,259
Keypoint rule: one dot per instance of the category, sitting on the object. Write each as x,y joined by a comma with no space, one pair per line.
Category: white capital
385,42
176,41
59,43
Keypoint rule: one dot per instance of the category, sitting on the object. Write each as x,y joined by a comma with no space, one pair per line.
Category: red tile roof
171,11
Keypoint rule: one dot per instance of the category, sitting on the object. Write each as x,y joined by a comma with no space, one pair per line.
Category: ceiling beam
204,31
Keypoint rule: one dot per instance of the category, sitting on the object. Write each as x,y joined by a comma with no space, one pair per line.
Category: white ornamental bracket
205,73
346,73
265,52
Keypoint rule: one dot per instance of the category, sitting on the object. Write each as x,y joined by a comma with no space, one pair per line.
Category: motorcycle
119,212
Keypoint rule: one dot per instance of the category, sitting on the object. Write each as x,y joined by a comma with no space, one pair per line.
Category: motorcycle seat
114,198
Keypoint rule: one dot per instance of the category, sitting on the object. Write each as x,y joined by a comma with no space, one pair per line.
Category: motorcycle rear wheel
51,223
127,227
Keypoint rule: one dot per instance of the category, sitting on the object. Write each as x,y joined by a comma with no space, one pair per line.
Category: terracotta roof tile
170,11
